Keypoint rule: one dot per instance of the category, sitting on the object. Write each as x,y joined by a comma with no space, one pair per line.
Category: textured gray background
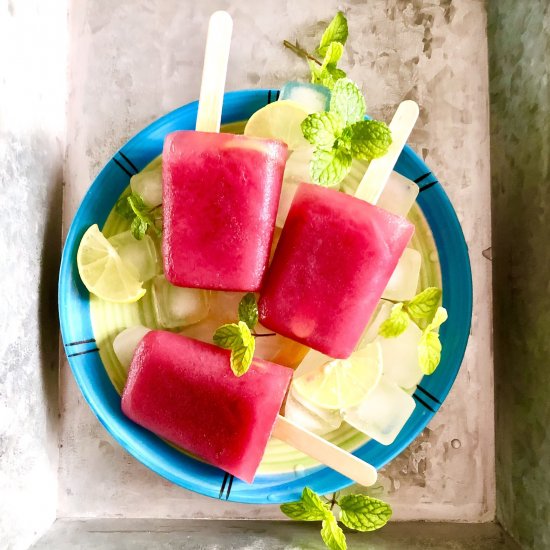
33,49
520,152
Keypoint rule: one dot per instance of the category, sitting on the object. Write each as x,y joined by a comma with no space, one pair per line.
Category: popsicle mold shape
220,195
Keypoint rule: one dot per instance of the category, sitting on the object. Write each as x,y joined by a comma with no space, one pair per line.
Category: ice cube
141,255
296,172
176,306
313,97
404,281
148,184
315,419
126,342
400,357
383,413
399,194
381,313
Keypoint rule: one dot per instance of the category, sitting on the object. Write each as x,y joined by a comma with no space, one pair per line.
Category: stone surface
520,151
33,46
134,61
122,534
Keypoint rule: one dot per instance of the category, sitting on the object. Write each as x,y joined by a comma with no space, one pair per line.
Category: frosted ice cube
313,97
141,255
383,413
381,313
176,306
148,184
399,194
400,357
126,342
404,281
315,419
296,172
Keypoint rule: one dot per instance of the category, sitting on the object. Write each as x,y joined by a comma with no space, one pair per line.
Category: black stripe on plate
129,161
278,94
422,177
122,167
423,403
269,96
89,341
428,185
83,352
231,478
426,392
225,477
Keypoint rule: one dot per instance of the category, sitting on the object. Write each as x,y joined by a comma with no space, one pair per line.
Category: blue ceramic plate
87,348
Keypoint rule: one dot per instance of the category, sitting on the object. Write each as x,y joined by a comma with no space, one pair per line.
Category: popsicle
335,256
184,391
220,191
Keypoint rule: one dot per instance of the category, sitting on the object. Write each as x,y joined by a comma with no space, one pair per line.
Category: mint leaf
333,54
368,139
347,101
439,318
424,305
329,166
363,513
313,501
337,31
241,357
332,534
309,508
237,338
228,336
300,512
395,324
123,208
248,310
322,129
429,352
138,228
429,346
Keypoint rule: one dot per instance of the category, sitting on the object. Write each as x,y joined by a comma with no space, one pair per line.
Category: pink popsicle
335,256
220,199
184,391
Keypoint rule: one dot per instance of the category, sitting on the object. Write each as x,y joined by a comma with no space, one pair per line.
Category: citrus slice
279,120
103,272
342,383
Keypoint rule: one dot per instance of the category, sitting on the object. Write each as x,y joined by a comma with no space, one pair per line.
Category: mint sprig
358,512
423,307
237,338
133,208
330,49
240,337
341,134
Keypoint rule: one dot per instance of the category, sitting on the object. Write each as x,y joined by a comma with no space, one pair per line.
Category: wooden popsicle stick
371,186
325,452
216,56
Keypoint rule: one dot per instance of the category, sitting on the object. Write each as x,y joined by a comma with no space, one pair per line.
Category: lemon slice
342,383
103,272
279,120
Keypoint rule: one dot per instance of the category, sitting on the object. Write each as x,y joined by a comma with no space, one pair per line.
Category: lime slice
279,120
342,383
103,272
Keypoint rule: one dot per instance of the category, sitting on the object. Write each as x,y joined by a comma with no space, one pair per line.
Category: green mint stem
301,52
256,335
